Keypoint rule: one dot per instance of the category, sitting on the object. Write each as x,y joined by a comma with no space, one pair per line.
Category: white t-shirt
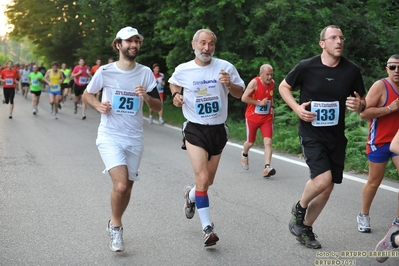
126,116
205,98
24,73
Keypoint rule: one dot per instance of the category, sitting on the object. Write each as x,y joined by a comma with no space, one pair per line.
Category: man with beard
328,83
207,81
126,85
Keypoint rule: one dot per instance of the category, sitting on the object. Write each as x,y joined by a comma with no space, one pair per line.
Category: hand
104,107
263,102
354,104
178,100
394,106
140,90
304,114
224,78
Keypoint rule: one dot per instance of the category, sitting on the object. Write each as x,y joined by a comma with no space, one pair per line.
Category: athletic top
205,98
260,114
126,116
159,78
55,81
67,75
24,73
81,80
35,81
383,129
94,69
9,76
327,88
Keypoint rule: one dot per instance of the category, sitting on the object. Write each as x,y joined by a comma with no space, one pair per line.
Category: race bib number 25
125,102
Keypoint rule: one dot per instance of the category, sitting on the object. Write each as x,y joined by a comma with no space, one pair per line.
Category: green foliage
250,33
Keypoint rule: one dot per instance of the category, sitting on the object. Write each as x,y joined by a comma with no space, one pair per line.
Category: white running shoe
150,119
116,234
363,223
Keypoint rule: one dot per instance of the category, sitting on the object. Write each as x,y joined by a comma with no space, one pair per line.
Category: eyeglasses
334,38
393,67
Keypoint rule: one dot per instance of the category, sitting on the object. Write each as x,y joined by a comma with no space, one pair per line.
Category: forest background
250,33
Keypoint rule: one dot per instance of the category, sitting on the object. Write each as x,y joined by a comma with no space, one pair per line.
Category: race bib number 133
327,113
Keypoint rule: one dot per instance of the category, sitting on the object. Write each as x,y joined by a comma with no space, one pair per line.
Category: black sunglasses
393,67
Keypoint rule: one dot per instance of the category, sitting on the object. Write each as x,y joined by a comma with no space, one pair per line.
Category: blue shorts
58,92
381,154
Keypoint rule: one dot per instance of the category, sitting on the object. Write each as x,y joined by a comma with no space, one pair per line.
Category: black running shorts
211,138
322,156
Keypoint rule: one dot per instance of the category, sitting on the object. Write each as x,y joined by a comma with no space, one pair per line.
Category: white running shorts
114,153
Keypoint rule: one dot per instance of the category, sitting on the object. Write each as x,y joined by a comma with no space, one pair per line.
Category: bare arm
91,100
246,97
153,103
375,100
178,97
235,90
286,94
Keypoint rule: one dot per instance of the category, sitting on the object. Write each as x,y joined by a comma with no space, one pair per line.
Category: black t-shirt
42,70
329,85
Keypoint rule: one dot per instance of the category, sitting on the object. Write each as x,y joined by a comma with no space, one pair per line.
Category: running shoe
83,117
34,111
76,110
269,171
210,237
59,106
150,119
363,223
189,206
308,238
244,162
161,122
395,221
10,116
116,234
55,116
385,244
296,223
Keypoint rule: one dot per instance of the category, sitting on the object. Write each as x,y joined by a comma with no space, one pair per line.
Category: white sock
204,216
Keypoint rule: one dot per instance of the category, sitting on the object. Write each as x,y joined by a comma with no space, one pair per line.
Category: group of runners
59,81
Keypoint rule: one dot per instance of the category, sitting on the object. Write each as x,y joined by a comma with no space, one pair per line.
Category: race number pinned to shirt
35,82
82,80
160,89
208,106
327,113
263,110
25,80
9,82
55,87
125,102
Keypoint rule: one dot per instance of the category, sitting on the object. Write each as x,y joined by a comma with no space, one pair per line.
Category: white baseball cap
127,32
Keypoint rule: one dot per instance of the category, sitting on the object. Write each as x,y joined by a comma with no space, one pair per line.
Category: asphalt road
54,202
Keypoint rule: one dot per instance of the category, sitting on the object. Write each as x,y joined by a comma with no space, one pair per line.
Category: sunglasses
393,67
